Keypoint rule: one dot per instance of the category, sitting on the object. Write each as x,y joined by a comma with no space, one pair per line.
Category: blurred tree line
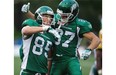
90,10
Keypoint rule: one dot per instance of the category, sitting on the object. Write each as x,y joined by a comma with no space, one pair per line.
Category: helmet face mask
45,14
63,17
67,10
47,19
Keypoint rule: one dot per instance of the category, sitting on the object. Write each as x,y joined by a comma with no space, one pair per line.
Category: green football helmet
44,10
67,10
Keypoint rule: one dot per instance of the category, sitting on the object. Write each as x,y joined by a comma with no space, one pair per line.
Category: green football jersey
35,49
71,36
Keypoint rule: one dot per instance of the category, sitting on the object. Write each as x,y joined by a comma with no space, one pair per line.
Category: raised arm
27,12
49,61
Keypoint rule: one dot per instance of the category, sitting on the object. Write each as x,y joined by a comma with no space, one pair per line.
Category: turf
85,64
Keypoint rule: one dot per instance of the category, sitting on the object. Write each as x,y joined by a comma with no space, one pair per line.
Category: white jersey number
40,46
67,33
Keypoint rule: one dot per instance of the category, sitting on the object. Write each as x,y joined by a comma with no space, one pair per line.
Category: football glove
45,27
55,33
49,29
25,8
85,54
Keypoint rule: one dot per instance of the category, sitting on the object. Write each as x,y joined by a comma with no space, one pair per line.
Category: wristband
89,49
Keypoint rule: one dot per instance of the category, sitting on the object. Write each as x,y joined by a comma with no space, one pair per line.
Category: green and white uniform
35,49
65,56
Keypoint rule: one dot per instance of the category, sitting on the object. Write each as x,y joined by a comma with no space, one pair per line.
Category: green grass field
85,64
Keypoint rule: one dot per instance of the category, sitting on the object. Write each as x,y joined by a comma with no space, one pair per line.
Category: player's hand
54,32
85,54
25,8
51,30
45,27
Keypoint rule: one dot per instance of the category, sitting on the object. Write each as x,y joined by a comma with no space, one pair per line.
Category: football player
72,30
38,38
99,55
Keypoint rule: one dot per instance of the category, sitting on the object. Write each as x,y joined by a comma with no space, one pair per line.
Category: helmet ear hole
71,16
37,16
52,16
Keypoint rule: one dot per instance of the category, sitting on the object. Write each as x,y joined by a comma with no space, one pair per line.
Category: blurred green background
90,10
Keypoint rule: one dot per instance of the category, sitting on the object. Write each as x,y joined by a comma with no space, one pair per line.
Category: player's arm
27,12
50,54
95,41
49,62
86,31
28,30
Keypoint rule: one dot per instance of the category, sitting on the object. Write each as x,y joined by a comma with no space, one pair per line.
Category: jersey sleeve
30,22
85,27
